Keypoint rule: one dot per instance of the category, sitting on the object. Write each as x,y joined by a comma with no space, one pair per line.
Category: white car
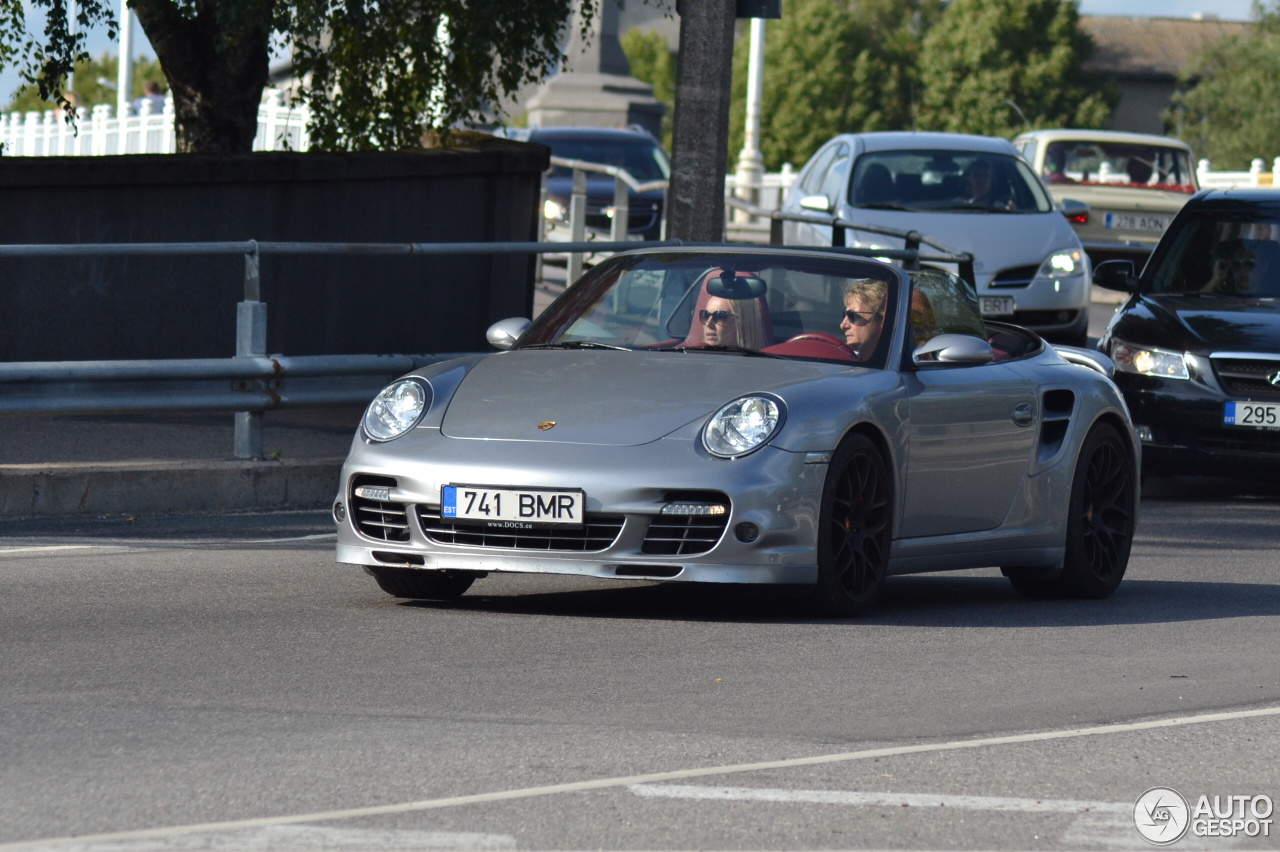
965,193
1133,184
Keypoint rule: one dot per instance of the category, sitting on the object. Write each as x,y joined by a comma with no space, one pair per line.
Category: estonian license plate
1130,222
1254,415
996,306
514,508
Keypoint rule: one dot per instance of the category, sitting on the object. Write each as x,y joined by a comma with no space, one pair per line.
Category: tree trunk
216,74
700,135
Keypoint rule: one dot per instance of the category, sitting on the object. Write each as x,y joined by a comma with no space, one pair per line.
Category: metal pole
750,172
577,224
124,73
251,342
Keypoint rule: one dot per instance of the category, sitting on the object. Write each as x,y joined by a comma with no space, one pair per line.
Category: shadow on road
933,601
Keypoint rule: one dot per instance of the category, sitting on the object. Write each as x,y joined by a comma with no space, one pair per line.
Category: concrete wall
90,308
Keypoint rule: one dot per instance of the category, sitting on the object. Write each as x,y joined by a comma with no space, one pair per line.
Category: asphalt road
219,683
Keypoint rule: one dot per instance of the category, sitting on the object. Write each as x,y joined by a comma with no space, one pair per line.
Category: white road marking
161,544
882,800
630,780
300,838
48,548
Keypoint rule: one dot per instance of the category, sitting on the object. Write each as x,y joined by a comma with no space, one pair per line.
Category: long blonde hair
750,323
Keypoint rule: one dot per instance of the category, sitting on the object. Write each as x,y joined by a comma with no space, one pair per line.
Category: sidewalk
150,463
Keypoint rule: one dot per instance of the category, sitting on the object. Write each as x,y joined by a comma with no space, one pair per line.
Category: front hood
1219,323
996,240
608,398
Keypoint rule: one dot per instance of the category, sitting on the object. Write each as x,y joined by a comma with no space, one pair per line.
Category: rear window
1140,166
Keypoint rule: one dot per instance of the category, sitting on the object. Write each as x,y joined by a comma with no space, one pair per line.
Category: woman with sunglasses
732,322
863,318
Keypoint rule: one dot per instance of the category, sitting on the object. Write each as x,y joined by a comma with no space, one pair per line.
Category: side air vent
374,515
1056,406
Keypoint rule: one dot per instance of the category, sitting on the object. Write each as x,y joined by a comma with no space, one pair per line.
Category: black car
634,150
1197,345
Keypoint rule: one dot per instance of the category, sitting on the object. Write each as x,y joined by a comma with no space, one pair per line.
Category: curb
135,487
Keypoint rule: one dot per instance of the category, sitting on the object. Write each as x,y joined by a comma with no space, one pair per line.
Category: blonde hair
746,313
869,291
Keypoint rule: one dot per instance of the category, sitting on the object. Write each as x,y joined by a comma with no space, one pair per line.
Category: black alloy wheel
854,528
1100,522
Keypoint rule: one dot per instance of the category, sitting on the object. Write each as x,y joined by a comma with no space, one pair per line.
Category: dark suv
633,150
1197,345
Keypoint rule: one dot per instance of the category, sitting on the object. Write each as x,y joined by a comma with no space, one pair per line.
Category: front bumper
1181,424
776,492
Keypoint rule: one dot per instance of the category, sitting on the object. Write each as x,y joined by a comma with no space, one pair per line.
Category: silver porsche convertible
762,416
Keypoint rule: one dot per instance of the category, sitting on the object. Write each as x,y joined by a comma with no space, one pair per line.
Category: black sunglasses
861,317
714,316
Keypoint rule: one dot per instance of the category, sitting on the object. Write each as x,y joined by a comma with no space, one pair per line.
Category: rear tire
422,585
854,529
1100,523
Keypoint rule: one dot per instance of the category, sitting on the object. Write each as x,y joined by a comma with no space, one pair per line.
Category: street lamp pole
750,171
124,74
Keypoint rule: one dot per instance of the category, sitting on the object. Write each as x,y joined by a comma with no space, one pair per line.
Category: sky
1227,10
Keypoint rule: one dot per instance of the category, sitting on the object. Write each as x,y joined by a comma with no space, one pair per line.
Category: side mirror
503,334
1116,275
1077,212
820,203
953,349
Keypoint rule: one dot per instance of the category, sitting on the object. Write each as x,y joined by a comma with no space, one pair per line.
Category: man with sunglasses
863,319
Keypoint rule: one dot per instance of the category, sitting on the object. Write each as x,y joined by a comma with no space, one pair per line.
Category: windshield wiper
736,350
577,344
883,206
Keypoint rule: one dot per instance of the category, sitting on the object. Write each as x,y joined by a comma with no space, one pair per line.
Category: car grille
379,519
598,533
1018,276
680,535
638,218
1248,377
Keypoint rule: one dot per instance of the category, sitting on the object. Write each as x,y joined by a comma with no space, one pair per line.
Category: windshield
1127,164
643,160
1224,253
734,303
959,181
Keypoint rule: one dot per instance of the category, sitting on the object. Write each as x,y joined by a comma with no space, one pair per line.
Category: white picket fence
1256,176
99,131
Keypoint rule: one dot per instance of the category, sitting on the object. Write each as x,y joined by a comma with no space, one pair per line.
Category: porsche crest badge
545,425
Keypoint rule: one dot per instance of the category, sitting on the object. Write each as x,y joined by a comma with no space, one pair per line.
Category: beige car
1132,184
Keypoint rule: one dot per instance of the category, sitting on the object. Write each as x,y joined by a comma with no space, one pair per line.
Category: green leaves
1226,113
998,67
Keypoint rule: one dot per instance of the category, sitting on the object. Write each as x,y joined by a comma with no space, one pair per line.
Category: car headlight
742,426
397,409
554,210
1149,361
1062,264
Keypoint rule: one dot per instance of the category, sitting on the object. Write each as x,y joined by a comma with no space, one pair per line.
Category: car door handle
1023,414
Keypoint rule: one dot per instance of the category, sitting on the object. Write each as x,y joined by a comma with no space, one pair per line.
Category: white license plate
1130,222
1254,415
996,306
515,508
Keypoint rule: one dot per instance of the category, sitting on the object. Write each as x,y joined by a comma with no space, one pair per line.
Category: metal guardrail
252,382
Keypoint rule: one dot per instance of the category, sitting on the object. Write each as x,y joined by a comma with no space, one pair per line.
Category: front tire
854,529
422,585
